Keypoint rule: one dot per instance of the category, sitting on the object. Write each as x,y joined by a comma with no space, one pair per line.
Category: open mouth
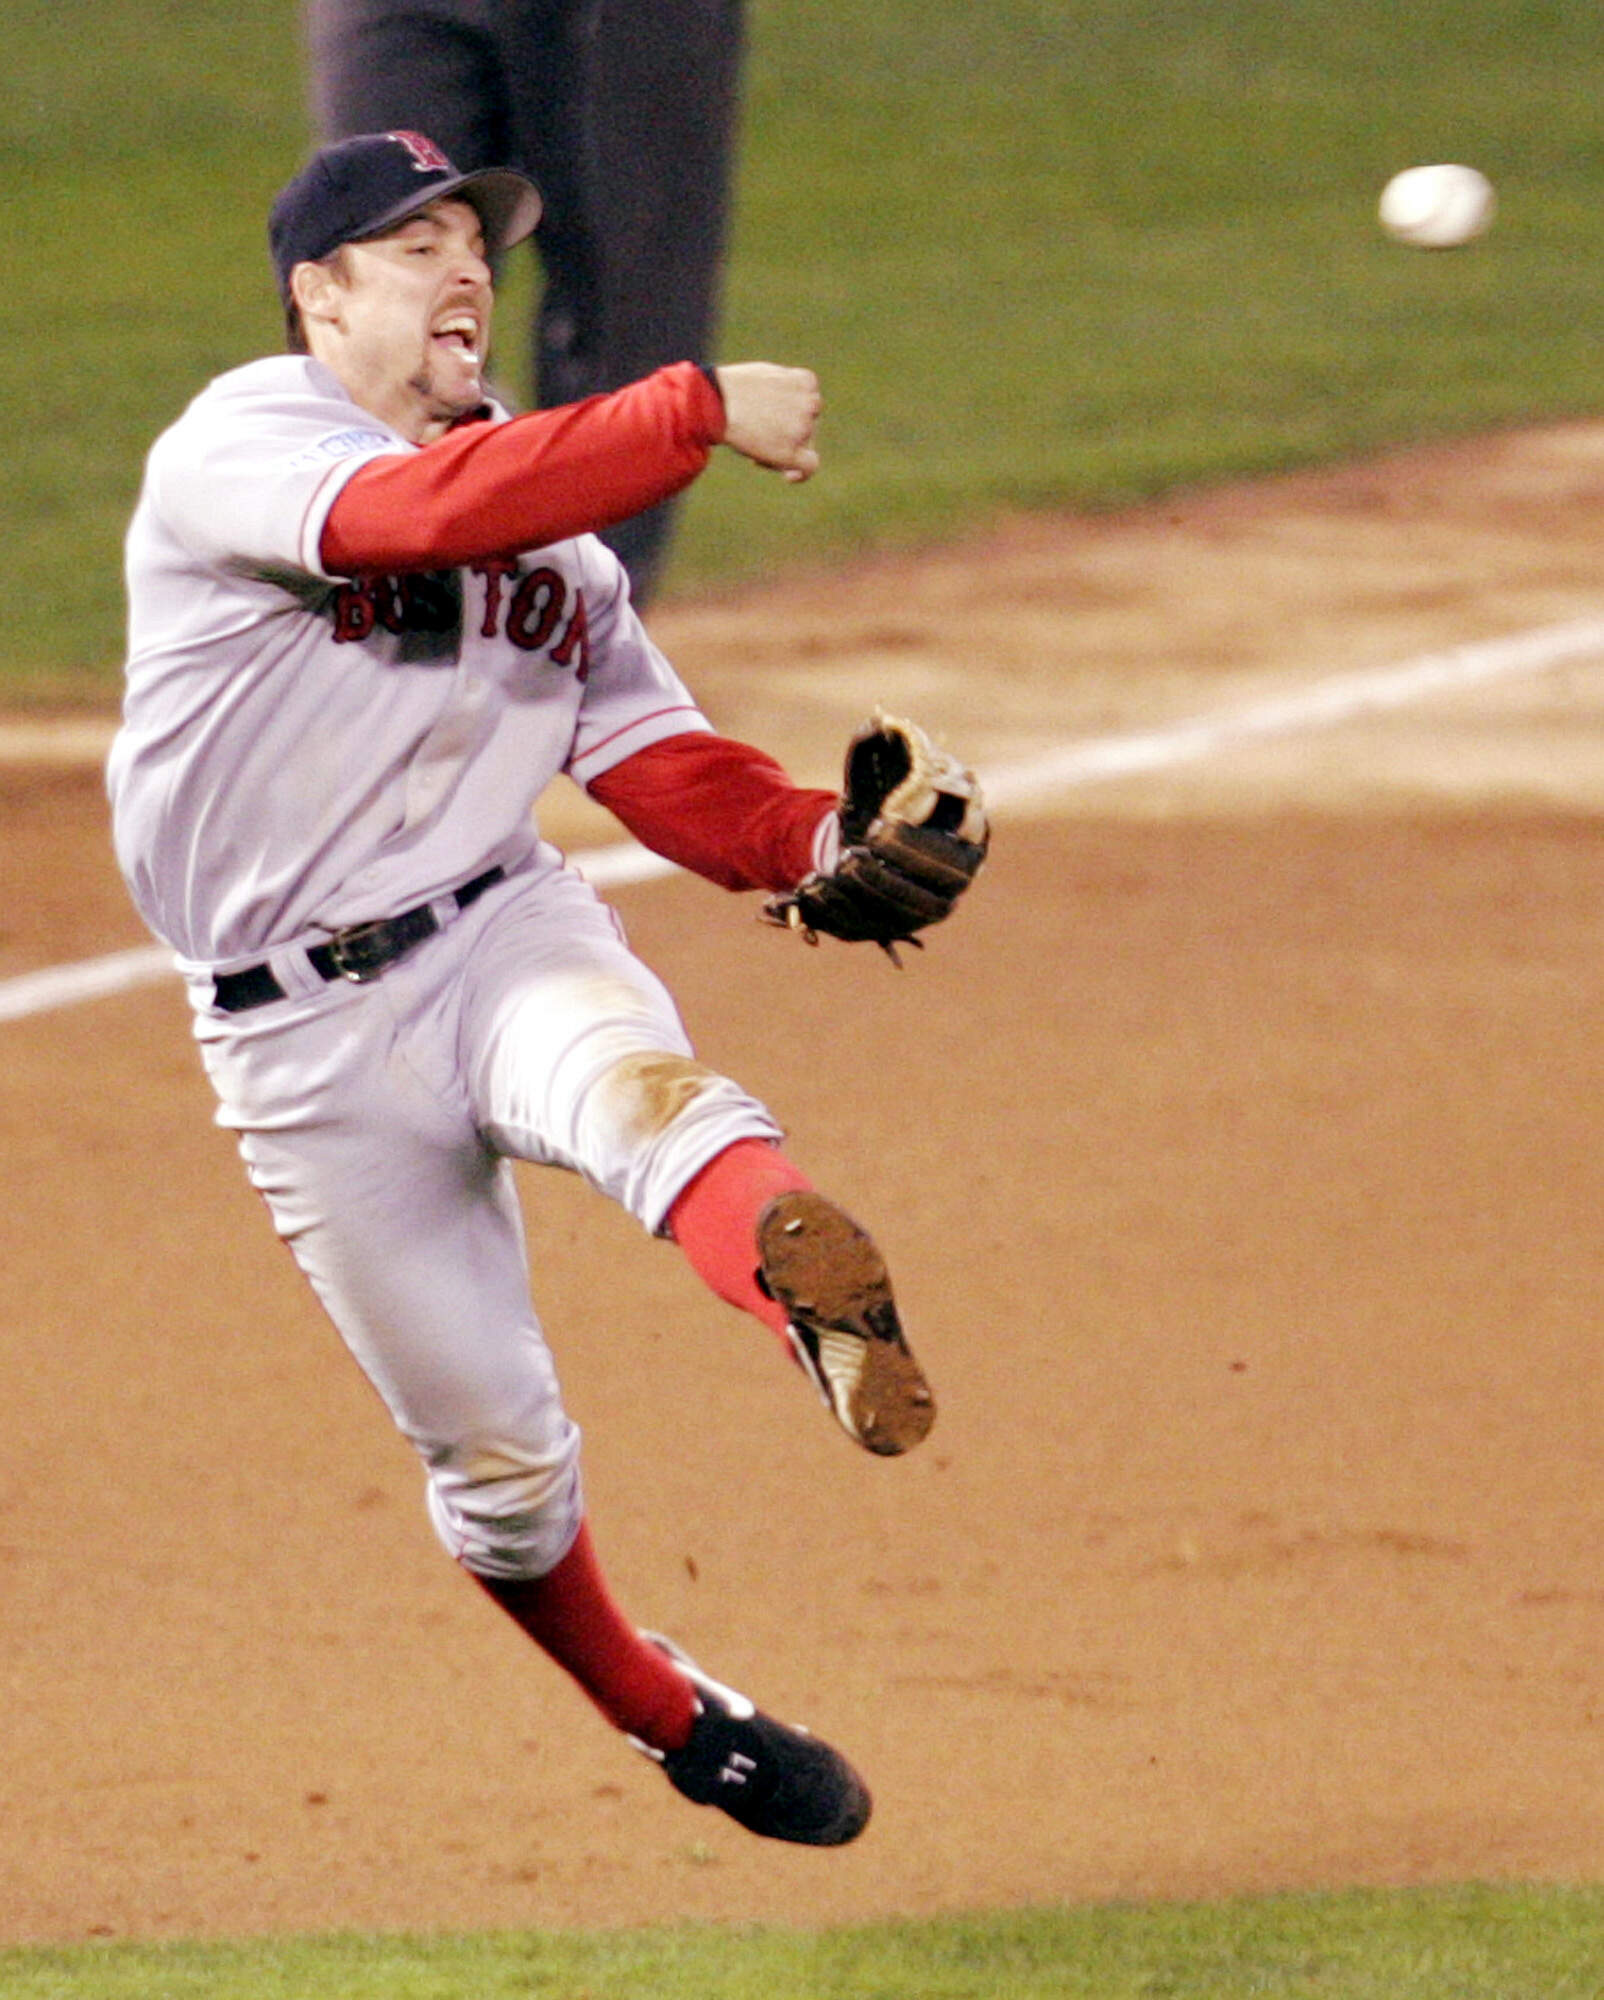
460,334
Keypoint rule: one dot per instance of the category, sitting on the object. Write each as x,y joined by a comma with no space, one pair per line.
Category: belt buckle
361,953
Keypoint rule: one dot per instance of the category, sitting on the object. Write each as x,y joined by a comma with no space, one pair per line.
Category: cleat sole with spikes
833,1283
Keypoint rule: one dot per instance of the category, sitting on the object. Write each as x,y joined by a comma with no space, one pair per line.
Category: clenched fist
770,414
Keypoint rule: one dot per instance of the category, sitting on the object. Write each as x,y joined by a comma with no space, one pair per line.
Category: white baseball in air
1437,208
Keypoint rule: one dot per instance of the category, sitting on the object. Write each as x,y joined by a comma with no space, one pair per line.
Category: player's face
412,320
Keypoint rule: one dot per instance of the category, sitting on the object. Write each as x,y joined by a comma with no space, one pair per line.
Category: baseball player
624,114
364,636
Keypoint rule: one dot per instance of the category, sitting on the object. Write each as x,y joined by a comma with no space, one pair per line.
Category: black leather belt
360,953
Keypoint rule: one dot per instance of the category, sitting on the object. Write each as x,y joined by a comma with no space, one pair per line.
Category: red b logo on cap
426,155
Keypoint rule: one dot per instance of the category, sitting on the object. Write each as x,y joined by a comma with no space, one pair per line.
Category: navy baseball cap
361,187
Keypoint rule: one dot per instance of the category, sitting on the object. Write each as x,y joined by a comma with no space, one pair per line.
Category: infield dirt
1237,1151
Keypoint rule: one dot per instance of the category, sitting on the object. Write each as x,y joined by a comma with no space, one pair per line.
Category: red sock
571,1614
714,1221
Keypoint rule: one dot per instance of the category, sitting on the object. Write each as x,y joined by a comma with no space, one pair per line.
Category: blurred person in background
624,113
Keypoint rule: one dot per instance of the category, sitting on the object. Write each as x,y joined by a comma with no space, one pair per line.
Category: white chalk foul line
63,985
1320,705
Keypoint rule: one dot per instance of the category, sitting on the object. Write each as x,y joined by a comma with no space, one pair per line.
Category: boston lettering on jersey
536,612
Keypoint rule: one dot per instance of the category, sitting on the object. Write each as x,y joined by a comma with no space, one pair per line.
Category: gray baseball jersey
301,753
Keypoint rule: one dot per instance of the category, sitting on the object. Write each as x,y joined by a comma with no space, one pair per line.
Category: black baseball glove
913,835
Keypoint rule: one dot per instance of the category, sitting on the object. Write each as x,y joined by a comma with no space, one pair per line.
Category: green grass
139,155
1042,254
1078,254
1451,1944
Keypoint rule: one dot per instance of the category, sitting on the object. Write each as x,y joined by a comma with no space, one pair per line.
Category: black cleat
772,1778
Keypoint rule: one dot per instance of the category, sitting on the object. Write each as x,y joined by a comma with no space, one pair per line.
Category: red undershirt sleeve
719,808
488,489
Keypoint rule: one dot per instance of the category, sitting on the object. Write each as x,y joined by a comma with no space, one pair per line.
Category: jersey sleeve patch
342,444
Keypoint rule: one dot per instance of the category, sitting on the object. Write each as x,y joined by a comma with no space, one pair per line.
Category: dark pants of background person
624,114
